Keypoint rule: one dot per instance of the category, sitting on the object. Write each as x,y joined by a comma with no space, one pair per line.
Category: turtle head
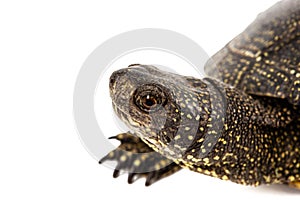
160,107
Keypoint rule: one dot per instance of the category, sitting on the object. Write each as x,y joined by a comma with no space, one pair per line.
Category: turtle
240,123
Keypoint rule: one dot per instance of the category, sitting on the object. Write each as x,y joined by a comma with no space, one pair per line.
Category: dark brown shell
265,59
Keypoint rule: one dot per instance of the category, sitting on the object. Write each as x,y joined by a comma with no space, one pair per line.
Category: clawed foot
139,160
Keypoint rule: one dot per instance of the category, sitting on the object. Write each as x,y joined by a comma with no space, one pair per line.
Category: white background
42,47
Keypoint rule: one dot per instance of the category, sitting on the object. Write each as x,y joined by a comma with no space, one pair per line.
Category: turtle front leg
139,160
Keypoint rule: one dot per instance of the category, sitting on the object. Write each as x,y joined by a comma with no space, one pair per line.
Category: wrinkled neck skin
236,138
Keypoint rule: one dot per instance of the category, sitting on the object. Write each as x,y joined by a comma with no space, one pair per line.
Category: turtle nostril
112,81
115,76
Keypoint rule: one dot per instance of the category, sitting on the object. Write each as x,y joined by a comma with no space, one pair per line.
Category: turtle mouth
139,128
125,117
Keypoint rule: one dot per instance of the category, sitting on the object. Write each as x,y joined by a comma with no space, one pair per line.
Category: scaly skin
210,127
244,126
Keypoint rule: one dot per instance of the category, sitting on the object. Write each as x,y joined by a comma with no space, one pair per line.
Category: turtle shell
264,60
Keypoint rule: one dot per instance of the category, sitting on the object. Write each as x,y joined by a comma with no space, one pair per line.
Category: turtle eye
149,100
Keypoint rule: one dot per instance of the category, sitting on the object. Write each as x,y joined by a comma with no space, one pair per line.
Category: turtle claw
113,137
132,177
139,160
116,173
155,176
